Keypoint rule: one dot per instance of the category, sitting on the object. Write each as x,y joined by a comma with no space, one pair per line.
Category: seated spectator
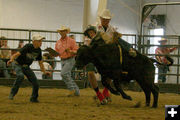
72,36
3,68
5,54
47,66
20,45
51,59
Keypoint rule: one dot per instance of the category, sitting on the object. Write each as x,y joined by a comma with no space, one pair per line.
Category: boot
34,100
101,98
107,95
11,96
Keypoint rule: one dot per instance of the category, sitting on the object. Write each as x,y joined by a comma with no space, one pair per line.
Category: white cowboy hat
163,40
106,14
37,37
62,28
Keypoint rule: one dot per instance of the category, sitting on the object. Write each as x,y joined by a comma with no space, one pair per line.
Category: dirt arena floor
55,105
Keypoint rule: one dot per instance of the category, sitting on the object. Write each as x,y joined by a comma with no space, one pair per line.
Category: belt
66,58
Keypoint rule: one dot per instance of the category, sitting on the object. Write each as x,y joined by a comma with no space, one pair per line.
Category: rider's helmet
89,27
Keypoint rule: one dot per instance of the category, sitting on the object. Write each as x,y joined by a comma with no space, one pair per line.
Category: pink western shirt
163,51
109,30
63,44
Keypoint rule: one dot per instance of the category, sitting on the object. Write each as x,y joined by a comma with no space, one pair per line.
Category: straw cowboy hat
162,40
106,14
62,28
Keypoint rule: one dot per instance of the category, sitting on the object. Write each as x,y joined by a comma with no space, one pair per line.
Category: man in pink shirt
162,50
67,48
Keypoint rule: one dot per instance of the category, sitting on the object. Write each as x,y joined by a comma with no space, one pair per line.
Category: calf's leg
155,92
108,86
119,88
147,92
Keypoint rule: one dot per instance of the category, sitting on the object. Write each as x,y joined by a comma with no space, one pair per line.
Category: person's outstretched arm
13,58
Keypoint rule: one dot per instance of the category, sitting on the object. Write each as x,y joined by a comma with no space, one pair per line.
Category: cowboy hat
106,14
62,28
163,40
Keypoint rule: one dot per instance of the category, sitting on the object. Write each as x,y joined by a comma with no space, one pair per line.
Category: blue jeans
4,70
20,72
67,66
162,70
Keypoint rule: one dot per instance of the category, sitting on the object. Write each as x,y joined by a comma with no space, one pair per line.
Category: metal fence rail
148,48
15,35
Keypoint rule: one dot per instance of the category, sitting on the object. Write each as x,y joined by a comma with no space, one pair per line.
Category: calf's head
83,56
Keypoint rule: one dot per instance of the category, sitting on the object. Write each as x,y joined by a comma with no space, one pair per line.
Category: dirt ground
55,105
